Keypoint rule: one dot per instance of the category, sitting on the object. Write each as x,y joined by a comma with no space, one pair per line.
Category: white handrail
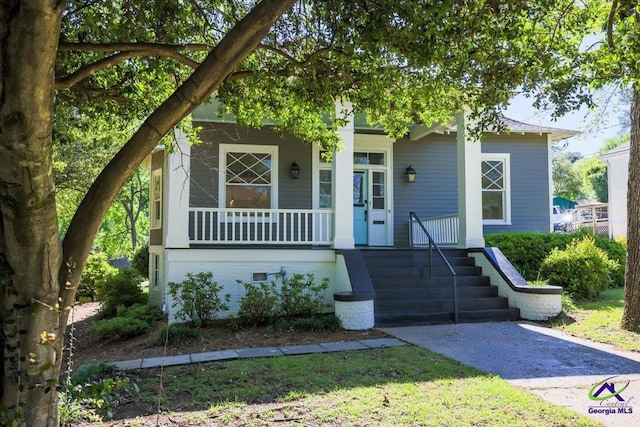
260,226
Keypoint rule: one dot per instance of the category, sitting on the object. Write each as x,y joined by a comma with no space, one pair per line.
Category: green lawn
598,320
401,386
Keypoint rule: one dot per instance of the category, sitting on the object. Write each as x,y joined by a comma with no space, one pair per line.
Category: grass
398,386
598,320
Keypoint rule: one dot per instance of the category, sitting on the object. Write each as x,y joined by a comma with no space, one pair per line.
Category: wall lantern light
410,172
295,171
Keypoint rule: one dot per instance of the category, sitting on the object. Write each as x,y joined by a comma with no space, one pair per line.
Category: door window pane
378,190
358,189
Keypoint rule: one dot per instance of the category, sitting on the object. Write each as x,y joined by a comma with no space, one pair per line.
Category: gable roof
620,149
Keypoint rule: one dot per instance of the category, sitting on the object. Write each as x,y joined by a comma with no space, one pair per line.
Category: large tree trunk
32,264
30,251
631,315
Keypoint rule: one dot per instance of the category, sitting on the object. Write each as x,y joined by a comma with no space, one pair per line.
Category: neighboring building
248,204
617,161
564,204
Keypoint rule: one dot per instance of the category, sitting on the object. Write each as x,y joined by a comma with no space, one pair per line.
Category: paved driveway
554,365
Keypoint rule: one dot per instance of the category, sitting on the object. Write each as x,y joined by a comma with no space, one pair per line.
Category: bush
94,387
96,272
527,251
140,261
582,269
300,296
176,333
198,298
146,312
122,289
327,323
117,329
93,371
259,305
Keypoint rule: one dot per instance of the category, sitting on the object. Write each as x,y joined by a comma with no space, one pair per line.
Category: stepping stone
301,349
213,356
383,342
126,365
154,362
343,346
248,353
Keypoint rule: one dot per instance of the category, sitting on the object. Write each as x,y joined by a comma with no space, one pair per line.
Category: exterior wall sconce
410,172
294,170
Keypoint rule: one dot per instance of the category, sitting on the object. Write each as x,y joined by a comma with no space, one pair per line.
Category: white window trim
506,159
242,148
156,223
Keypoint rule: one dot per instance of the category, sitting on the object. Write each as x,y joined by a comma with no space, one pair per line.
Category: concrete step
417,282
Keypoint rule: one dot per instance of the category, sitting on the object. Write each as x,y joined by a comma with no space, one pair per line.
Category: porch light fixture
294,170
410,172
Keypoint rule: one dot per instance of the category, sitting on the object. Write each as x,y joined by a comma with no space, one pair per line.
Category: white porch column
342,189
175,216
469,188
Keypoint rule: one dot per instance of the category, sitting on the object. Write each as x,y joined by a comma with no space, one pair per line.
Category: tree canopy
94,63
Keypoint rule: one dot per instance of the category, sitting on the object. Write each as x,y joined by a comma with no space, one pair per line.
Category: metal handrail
432,244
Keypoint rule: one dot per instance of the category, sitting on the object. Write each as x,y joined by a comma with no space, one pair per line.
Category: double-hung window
156,199
496,194
248,176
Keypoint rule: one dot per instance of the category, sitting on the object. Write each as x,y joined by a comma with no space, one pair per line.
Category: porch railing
260,226
442,229
413,218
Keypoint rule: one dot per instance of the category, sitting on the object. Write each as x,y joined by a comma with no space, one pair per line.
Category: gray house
247,204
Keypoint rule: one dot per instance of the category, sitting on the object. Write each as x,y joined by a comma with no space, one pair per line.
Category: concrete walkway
557,367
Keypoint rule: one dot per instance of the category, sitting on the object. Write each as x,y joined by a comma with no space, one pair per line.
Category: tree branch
90,69
235,46
64,46
612,17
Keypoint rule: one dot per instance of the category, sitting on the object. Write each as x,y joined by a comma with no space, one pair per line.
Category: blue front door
360,206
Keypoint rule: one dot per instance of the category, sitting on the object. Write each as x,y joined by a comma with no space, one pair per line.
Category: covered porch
372,211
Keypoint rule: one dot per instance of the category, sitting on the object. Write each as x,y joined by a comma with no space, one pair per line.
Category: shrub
122,289
198,298
327,323
582,269
96,272
117,329
177,333
527,251
145,312
93,371
300,296
140,261
259,305
93,387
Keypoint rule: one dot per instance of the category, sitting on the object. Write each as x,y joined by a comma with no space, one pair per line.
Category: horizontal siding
435,191
292,194
530,186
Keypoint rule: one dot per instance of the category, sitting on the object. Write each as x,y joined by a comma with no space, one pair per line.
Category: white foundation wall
230,265
533,306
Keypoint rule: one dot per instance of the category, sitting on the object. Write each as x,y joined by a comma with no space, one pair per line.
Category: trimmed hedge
527,251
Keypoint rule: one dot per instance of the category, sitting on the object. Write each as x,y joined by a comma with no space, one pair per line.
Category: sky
596,126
